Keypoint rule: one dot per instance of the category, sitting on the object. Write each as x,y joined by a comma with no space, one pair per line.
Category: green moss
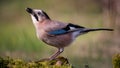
59,62
116,61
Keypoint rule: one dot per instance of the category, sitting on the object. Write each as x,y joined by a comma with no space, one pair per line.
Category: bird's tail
97,29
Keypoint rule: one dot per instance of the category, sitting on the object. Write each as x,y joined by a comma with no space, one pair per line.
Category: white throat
33,19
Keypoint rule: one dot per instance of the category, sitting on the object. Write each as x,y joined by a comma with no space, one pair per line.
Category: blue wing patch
58,32
65,30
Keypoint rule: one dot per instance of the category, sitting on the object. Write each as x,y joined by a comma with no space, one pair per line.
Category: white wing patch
71,28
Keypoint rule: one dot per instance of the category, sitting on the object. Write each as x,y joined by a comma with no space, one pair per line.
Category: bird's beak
29,10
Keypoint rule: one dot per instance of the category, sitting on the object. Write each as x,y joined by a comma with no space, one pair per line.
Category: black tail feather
97,29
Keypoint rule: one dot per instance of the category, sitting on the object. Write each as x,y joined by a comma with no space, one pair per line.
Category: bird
55,33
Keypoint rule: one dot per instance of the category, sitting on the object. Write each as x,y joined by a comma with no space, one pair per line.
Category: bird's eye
39,13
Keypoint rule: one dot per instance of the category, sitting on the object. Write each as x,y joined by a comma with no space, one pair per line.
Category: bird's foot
50,59
57,61
42,60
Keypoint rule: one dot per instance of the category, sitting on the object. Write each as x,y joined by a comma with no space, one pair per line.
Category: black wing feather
75,26
67,29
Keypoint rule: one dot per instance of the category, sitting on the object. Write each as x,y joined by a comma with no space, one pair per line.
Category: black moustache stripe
36,17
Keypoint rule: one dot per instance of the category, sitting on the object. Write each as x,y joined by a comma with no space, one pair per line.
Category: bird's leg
60,50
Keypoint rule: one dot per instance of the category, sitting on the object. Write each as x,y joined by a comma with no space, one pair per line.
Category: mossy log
59,62
116,61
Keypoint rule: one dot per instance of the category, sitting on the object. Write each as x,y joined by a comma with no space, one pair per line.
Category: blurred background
18,38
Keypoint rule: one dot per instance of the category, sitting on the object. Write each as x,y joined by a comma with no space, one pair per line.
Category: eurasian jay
55,33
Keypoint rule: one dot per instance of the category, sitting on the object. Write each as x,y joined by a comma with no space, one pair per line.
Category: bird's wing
69,28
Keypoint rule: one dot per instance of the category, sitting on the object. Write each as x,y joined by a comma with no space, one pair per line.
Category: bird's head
37,15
